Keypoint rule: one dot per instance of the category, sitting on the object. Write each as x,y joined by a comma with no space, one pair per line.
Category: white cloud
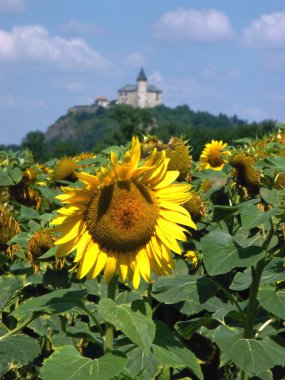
135,60
12,5
156,77
33,43
266,32
193,25
75,26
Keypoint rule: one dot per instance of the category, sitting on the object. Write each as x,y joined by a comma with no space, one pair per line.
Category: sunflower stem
109,331
19,327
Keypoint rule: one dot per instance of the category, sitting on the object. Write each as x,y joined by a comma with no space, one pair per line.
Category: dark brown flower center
122,216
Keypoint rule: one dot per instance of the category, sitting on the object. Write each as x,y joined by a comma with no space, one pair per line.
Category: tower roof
141,77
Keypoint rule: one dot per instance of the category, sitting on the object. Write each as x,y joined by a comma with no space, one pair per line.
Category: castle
141,94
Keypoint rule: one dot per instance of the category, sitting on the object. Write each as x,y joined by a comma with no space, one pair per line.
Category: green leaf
221,254
223,212
50,253
251,355
275,162
187,328
15,174
141,366
273,272
17,350
242,280
252,216
29,213
134,320
9,287
5,180
66,363
55,302
170,352
179,288
272,300
271,196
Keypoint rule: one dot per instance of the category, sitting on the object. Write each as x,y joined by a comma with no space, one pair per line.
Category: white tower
142,90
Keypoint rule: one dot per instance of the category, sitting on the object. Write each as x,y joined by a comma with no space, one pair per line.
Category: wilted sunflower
213,155
126,218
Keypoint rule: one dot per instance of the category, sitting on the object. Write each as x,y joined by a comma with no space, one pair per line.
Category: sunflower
126,218
212,156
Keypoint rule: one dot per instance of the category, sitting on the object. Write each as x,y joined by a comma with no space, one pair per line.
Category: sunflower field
139,263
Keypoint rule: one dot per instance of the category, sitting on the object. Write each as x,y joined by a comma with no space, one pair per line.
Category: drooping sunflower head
178,153
246,175
29,175
65,169
39,243
126,218
214,156
9,227
195,207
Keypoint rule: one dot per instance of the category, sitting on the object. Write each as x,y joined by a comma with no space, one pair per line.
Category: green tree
35,142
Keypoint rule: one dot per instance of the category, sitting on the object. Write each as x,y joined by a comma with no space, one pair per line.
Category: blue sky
220,56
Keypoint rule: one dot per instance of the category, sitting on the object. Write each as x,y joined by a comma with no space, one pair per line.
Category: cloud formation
12,5
193,25
32,43
266,32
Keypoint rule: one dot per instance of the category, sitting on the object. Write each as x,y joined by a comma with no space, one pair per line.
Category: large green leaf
242,280
5,179
272,300
134,320
9,287
221,254
252,216
141,366
170,352
274,271
272,196
55,302
17,350
14,173
66,363
251,355
184,288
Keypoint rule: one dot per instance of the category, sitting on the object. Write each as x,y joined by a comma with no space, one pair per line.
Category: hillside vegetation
98,128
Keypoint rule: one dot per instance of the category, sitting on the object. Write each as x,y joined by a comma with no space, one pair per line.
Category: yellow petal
73,231
82,245
168,240
176,217
66,248
88,260
170,177
123,265
143,264
174,207
89,179
110,266
99,265
136,277
169,227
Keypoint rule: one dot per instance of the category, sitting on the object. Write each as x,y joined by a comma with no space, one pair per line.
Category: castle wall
153,99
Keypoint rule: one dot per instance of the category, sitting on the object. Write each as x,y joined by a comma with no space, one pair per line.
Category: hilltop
95,127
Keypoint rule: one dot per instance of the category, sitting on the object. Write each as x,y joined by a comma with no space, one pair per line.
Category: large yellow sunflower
126,218
212,156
